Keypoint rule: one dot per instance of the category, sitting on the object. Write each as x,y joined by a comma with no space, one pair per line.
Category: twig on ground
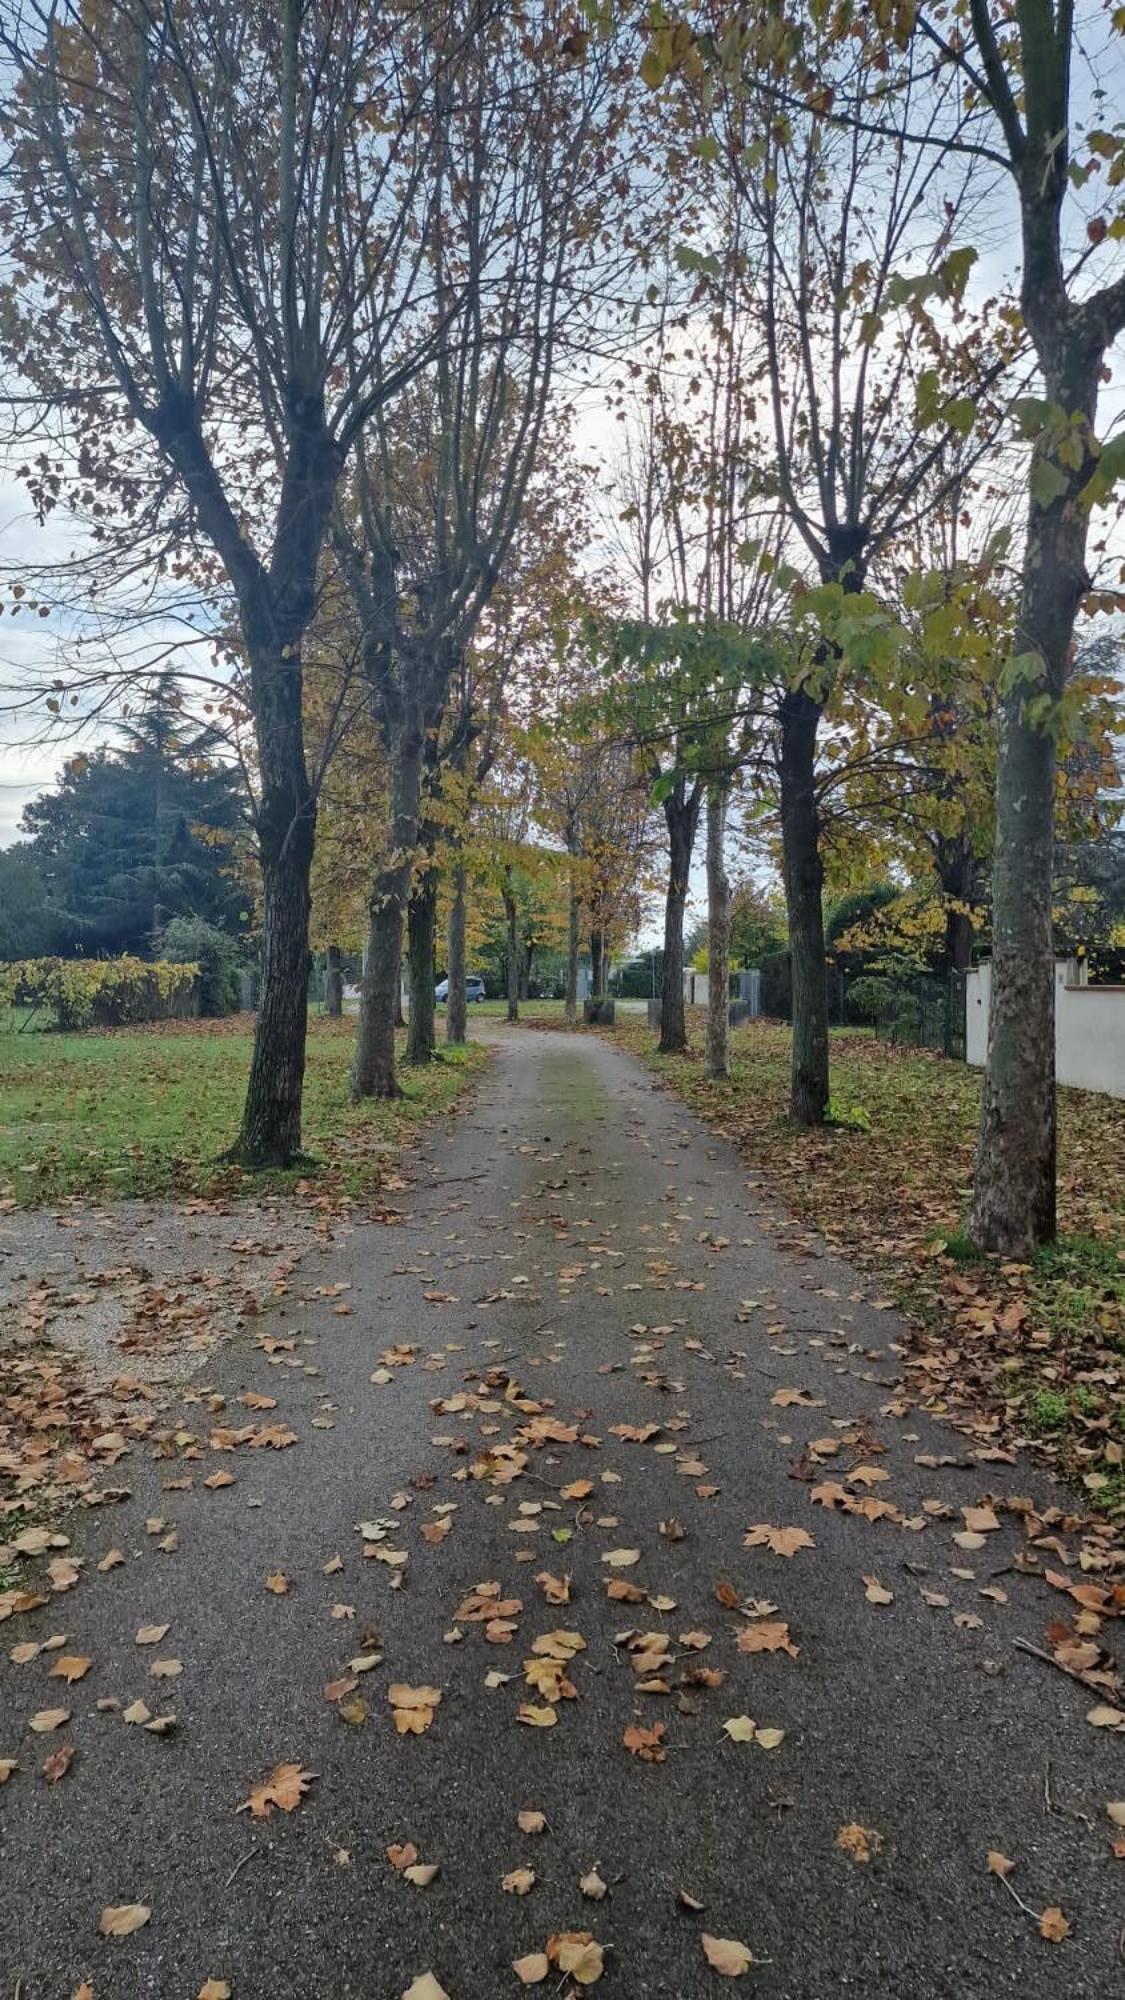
240,1865
1072,1673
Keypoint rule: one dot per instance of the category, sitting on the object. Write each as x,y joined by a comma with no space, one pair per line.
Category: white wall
1089,1028
696,988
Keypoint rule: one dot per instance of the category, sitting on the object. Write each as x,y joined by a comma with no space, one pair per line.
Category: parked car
474,988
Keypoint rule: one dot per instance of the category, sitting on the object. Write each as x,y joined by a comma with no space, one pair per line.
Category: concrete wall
1089,1028
697,988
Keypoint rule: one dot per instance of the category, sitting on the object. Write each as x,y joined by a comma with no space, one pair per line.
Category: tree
526,175
135,836
214,211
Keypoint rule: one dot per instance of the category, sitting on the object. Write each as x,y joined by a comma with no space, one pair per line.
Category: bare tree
218,278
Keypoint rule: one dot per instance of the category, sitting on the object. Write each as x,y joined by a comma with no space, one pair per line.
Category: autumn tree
213,213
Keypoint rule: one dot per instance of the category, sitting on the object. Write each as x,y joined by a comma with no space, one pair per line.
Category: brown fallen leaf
621,1558
876,1592
284,1788
861,1842
535,1716
166,1670
58,1763
578,1954
999,1864
689,1902
216,1989
1053,1925
278,1583
70,1667
647,1744
7,1766
413,1708
402,1854
422,1873
122,1919
531,1821
532,1970
592,1886
782,1541
726,1956
151,1635
518,1881
767,1635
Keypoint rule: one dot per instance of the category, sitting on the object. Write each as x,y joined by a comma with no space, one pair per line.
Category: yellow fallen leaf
48,1719
151,1635
425,1987
278,1583
861,1842
1106,1717
533,1969
122,1919
166,1670
621,1558
739,1728
1115,1811
577,1953
726,1956
769,1739
536,1717
214,1989
422,1873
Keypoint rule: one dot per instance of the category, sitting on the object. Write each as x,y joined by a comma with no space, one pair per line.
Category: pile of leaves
1024,1353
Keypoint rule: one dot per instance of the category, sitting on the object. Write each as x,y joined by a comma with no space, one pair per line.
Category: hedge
101,993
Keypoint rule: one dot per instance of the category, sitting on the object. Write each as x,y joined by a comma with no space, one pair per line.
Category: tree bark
373,1073
572,954
681,817
526,955
421,1040
333,982
804,883
718,934
597,965
511,912
1014,1205
456,1006
270,1133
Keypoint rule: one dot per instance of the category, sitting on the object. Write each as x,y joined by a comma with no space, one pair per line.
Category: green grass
148,1111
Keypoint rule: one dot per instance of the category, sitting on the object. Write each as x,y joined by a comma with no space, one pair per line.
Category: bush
868,997
102,993
220,961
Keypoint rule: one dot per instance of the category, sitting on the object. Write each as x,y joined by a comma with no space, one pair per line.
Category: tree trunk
572,955
333,983
421,1040
526,956
1013,1206
456,1006
718,934
804,882
956,869
270,1133
373,1074
681,816
511,911
597,965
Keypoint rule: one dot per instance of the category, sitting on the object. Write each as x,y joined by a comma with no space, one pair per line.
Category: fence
1089,1027
925,1013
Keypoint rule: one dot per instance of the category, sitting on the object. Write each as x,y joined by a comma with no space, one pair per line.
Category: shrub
102,993
867,997
193,941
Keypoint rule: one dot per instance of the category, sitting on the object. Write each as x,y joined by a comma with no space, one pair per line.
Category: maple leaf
767,1635
647,1744
285,1788
782,1541
726,1956
413,1707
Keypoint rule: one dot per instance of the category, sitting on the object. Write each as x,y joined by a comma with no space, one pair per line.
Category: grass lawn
1040,1346
147,1111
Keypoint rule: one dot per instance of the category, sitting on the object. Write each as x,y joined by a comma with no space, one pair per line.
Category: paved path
580,1235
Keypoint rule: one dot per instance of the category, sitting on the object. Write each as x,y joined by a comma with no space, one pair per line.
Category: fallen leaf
151,1635
422,1873
217,1989
739,1728
592,1886
70,1667
577,1953
285,1788
1053,1925
531,1822
58,1763
861,1842
768,1635
769,1739
876,1592
532,1970
999,1864
726,1956
7,1766
413,1708
645,1743
48,1719
536,1717
782,1541
278,1583
518,1881
621,1558
425,1987
122,1919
